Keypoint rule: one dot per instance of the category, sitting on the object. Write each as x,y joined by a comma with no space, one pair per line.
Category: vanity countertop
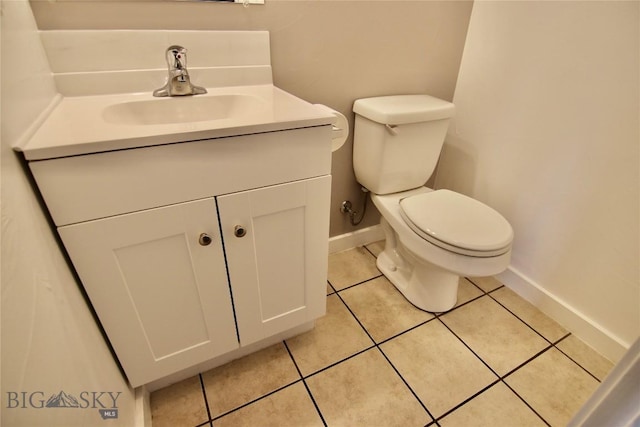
93,124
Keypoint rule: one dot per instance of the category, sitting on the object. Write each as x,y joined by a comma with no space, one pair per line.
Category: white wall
547,132
50,342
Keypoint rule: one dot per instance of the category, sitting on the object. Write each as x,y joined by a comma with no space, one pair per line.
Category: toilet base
423,284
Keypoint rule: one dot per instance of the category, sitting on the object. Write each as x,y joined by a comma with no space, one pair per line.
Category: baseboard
143,407
361,237
595,335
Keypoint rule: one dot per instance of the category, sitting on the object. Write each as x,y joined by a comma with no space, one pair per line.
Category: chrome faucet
178,82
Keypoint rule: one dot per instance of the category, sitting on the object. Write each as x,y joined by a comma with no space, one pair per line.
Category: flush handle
239,231
205,239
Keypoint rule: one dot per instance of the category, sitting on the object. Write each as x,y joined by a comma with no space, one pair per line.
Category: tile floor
376,360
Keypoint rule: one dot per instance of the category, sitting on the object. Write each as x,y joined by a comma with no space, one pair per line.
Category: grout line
408,386
369,250
458,306
306,386
386,358
469,399
520,319
356,318
559,340
339,362
552,344
494,290
244,405
501,378
479,287
468,279
204,394
355,284
525,402
435,315
468,347
555,345
407,330
333,290
520,366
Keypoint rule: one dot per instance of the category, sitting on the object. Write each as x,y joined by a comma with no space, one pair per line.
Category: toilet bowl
426,265
432,236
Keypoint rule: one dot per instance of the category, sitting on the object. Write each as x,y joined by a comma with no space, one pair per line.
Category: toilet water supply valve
347,208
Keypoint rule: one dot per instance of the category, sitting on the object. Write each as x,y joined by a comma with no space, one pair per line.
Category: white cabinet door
161,295
278,269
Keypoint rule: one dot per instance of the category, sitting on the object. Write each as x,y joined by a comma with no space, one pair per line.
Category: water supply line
347,207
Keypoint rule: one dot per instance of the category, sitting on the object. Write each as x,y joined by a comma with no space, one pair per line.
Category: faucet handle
178,81
176,57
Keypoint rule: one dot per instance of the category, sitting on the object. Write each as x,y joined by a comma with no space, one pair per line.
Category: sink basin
184,109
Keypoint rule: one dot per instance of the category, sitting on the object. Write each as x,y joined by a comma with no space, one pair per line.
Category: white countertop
78,125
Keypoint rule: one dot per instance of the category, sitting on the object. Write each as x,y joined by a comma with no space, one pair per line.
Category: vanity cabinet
161,296
194,250
281,251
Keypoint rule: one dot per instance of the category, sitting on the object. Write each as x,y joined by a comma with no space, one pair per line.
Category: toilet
432,236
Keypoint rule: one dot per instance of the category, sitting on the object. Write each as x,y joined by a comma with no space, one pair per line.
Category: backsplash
99,62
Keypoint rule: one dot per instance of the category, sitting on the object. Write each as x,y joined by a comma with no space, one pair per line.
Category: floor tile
289,407
467,291
586,357
330,290
553,385
438,367
498,406
533,317
382,309
354,383
376,247
352,266
495,335
243,380
181,404
487,284
365,391
336,336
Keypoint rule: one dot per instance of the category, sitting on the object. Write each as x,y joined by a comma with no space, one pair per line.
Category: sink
132,120
184,109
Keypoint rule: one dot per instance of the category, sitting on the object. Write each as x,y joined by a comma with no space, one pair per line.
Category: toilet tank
397,140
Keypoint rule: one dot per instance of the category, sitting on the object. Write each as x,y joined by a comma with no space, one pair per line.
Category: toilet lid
458,223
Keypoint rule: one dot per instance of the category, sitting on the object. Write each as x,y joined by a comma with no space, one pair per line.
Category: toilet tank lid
403,109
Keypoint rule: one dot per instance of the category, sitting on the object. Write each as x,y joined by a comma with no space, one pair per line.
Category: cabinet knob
239,231
205,239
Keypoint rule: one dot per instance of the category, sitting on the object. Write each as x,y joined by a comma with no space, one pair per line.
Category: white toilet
432,236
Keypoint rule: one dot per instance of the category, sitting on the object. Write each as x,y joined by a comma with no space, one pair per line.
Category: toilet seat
457,223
